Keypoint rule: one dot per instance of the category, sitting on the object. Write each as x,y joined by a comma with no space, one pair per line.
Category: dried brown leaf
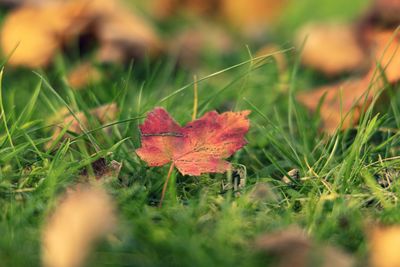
189,45
163,9
279,57
343,102
123,35
32,35
84,75
386,51
22,2
84,215
384,243
103,114
38,32
331,48
252,16
121,32
292,247
387,10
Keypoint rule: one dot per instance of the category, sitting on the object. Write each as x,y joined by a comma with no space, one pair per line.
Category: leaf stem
171,168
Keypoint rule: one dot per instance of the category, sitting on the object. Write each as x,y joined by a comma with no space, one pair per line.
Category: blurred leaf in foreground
384,243
33,34
292,247
82,216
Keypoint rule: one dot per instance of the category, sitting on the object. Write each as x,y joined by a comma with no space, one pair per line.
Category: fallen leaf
32,35
190,44
103,114
387,10
248,16
82,216
292,247
335,257
346,101
21,2
199,147
331,48
83,75
280,58
343,103
384,243
386,51
287,248
124,35
163,9
252,16
292,175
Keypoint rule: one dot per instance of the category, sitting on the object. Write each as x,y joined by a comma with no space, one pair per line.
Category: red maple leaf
199,147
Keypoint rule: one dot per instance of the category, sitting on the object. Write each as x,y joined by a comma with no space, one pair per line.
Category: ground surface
200,224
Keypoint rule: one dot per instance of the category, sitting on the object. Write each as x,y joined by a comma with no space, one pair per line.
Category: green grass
199,224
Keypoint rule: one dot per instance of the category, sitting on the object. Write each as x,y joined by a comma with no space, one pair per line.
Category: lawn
204,221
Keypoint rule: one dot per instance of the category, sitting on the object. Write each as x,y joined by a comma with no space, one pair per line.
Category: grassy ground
199,224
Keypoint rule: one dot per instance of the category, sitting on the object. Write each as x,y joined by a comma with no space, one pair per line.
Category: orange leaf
386,48
32,35
352,97
189,45
331,48
343,103
122,34
84,215
199,147
252,16
384,242
83,75
103,114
